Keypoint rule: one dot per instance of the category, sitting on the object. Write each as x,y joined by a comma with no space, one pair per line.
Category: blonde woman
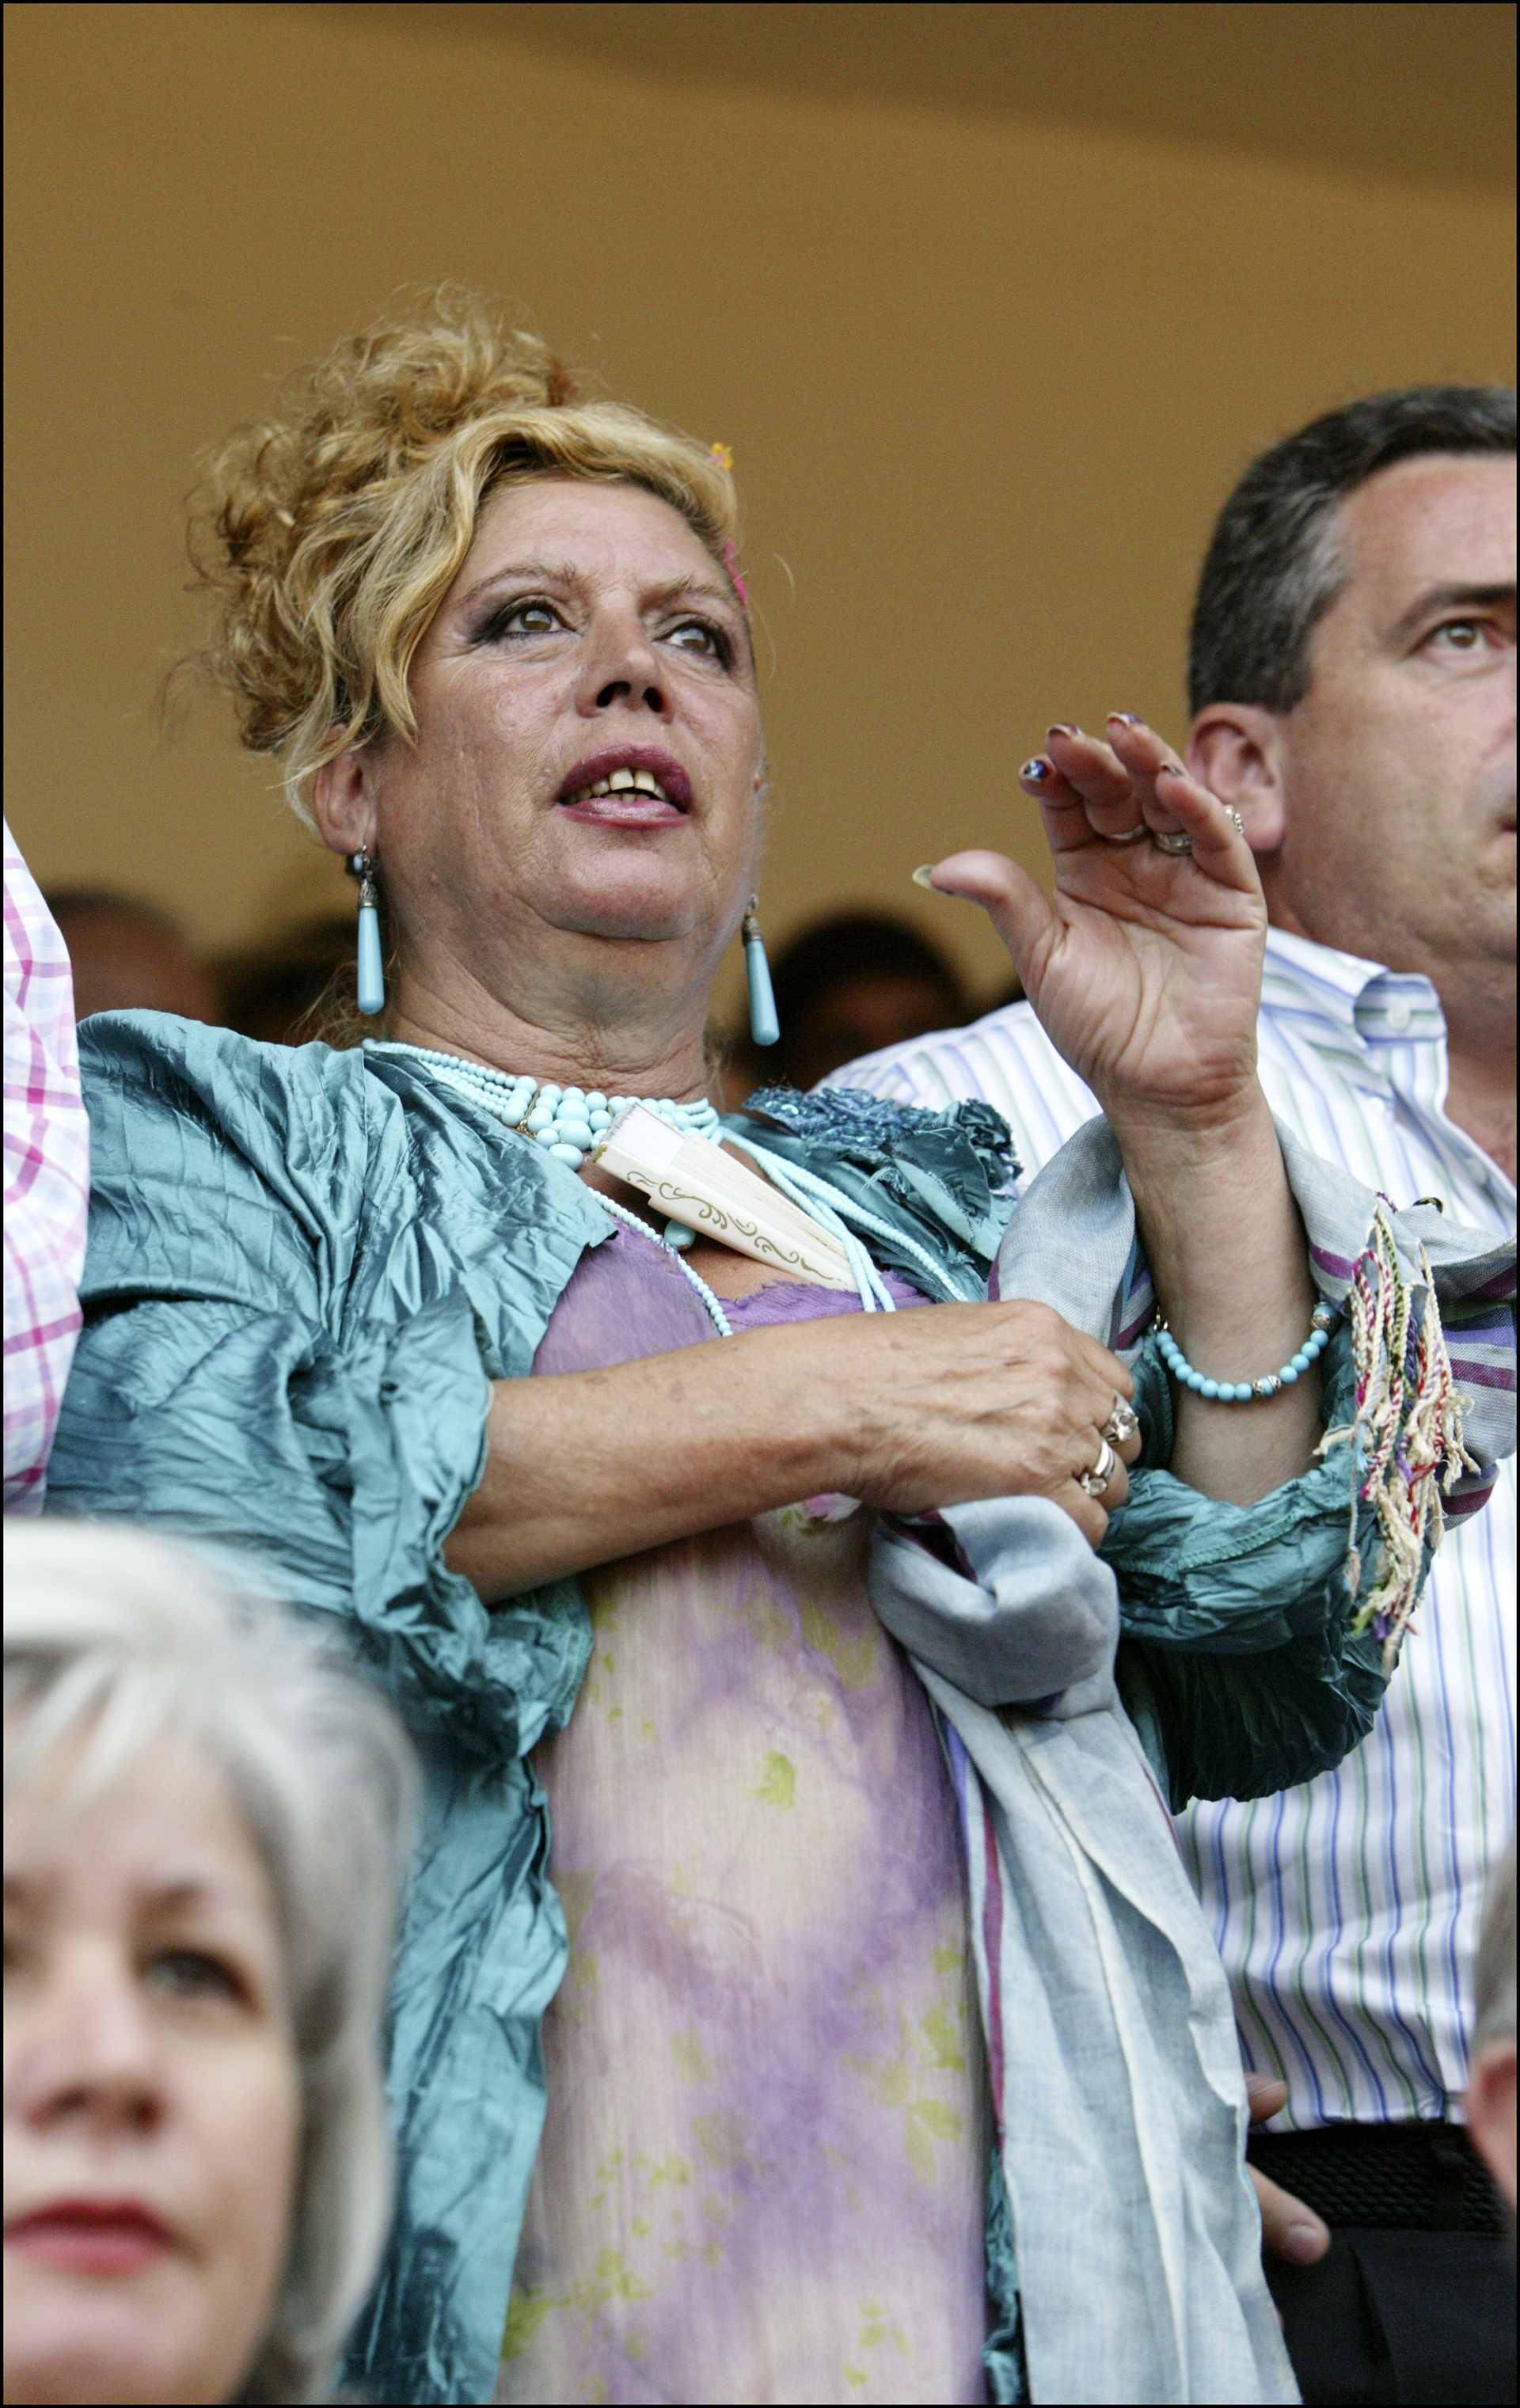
383,1314
205,1816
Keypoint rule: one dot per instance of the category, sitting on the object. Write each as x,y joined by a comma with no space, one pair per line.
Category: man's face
1398,767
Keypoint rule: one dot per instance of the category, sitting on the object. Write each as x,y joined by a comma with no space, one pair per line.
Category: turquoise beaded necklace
569,1122
566,1121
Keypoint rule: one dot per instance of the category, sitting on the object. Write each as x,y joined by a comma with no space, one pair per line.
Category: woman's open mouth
634,786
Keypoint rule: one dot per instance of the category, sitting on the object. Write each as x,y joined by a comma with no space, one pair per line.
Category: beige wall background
990,336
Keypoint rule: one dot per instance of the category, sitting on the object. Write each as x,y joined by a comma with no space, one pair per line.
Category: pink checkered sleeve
46,1182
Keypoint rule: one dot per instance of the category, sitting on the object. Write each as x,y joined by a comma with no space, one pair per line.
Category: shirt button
1400,1016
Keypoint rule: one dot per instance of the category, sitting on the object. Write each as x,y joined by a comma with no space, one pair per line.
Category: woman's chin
627,903
158,2336
113,2356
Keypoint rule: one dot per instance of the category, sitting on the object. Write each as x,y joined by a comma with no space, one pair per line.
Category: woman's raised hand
1145,969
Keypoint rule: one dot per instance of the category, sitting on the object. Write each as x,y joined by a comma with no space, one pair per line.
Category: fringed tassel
1409,1419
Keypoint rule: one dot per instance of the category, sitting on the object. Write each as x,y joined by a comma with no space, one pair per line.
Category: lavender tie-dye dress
764,2162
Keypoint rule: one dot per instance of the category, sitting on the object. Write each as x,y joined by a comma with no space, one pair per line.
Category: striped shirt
46,1182
1346,1910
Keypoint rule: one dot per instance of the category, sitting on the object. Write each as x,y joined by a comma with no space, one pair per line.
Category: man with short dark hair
1352,679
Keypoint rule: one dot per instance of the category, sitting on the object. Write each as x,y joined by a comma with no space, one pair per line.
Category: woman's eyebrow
542,570
676,589
687,589
210,1893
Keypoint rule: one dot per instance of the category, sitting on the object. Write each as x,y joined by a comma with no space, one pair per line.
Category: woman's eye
189,1973
522,618
699,636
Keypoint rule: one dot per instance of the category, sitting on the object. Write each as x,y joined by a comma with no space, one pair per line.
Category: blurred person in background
46,1182
128,955
847,985
206,1815
1490,2098
1353,686
277,991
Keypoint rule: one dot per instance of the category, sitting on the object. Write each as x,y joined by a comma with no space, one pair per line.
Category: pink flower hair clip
723,458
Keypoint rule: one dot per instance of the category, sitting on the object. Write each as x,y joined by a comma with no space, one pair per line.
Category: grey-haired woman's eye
193,1973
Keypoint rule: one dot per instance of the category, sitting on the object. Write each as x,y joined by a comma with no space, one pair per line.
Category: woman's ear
1235,749
342,804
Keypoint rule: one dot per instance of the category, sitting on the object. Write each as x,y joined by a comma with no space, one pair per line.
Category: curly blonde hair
328,534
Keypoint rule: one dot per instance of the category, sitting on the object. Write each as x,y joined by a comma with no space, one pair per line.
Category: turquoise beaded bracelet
1242,1392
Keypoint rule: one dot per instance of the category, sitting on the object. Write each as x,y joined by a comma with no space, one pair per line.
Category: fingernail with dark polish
1127,718
1036,770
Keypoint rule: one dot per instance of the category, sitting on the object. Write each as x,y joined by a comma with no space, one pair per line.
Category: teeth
623,782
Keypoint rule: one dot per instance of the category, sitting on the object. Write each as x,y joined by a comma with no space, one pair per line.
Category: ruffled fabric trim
1408,1432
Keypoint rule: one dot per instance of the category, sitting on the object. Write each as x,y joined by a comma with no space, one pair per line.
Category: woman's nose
84,2047
622,669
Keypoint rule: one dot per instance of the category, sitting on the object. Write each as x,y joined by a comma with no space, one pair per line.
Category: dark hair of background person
1273,566
846,987
127,955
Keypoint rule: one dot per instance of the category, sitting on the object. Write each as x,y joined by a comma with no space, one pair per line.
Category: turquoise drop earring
371,988
763,1026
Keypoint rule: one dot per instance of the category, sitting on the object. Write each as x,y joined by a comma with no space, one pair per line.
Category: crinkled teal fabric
941,1178
303,1275
1236,1662
305,1269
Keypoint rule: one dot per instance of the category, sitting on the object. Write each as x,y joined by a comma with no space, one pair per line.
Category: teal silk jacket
306,1268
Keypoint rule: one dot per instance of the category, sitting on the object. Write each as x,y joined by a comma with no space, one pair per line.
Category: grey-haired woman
205,1815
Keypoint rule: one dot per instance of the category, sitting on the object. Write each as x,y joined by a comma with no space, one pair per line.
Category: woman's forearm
1231,1262
584,1466
902,1409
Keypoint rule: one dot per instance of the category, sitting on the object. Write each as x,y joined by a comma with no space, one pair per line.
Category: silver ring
1121,1425
1096,1479
1129,836
1178,841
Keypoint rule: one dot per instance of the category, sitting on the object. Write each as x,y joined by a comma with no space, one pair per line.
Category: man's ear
1235,749
342,804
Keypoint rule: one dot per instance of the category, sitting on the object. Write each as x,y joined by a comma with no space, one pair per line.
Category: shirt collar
1381,1016
1369,1002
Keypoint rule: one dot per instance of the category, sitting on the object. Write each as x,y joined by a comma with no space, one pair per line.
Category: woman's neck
645,1052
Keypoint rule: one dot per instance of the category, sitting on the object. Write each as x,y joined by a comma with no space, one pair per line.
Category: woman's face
152,2096
589,637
